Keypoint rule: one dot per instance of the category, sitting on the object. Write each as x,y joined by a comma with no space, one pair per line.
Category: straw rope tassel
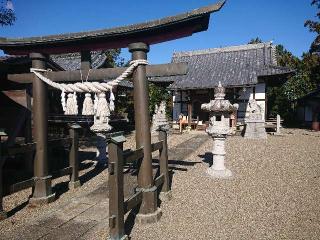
111,99
71,106
103,110
63,101
87,108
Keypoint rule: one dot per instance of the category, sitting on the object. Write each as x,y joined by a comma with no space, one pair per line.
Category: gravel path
274,193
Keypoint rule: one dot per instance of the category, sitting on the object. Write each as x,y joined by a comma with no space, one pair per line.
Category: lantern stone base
223,174
149,218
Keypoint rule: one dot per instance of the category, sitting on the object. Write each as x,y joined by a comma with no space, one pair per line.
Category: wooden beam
169,69
159,180
133,201
133,156
156,146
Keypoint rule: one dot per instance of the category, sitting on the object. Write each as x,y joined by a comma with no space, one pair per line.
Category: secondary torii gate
137,38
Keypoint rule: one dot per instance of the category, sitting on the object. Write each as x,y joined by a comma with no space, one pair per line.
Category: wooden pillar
165,193
3,214
42,192
266,101
148,210
180,102
189,110
74,156
115,184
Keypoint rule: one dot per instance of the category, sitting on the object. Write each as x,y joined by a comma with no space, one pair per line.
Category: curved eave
152,32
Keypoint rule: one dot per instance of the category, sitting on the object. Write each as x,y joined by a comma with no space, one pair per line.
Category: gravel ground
274,193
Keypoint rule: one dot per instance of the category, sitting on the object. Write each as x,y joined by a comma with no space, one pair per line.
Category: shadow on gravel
17,208
207,158
63,187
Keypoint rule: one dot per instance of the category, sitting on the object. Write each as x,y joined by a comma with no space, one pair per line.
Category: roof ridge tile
236,48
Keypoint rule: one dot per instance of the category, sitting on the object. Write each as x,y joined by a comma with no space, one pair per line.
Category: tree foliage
314,26
255,41
7,15
157,94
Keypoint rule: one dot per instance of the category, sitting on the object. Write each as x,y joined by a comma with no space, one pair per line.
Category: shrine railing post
149,211
42,192
165,193
74,156
115,184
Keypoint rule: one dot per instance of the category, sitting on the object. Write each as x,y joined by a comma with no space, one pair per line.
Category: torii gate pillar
149,212
42,189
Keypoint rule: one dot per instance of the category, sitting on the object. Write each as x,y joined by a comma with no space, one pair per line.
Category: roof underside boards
233,66
151,32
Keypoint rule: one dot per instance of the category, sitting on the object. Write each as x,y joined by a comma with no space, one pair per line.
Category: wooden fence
118,206
72,169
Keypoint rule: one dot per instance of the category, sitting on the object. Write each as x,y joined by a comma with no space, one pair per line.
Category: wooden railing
118,206
72,169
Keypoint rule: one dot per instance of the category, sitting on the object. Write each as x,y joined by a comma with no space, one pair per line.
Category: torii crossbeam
137,38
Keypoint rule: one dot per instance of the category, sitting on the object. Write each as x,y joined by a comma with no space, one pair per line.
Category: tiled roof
233,66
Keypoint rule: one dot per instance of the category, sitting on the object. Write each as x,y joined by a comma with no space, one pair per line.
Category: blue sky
238,21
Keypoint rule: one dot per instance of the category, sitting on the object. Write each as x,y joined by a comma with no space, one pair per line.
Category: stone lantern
220,110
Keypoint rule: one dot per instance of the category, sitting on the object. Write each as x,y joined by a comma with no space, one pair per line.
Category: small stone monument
159,118
101,127
255,125
220,110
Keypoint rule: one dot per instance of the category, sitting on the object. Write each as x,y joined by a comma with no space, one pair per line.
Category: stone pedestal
255,129
101,155
218,169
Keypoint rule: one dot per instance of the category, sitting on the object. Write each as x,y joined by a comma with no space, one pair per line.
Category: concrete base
222,174
165,196
74,185
149,218
41,201
3,215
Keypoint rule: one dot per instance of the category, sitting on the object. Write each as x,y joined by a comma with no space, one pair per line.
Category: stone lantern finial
219,92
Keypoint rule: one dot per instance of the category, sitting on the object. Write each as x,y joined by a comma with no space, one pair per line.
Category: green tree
286,58
255,40
7,16
314,26
157,93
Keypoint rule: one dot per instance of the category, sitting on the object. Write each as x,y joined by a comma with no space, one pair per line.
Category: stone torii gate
137,38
